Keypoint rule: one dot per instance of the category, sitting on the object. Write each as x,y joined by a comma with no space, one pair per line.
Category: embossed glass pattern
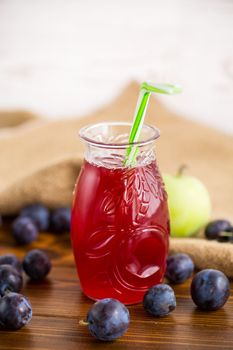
120,222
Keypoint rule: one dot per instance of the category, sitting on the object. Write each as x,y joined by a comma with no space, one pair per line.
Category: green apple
189,204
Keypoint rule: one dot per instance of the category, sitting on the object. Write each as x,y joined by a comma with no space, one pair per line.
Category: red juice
120,231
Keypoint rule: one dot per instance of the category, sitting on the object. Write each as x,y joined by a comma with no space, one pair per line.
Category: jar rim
155,133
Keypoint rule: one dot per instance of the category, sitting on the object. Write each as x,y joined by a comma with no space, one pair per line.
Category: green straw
139,116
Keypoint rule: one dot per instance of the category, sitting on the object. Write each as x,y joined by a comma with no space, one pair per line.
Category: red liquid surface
120,230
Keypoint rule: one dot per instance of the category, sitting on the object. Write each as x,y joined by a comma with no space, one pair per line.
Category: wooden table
58,305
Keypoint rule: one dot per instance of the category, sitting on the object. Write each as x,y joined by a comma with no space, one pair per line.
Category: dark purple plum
11,259
37,264
214,228
179,268
15,311
24,230
108,319
159,300
39,214
210,289
10,279
60,220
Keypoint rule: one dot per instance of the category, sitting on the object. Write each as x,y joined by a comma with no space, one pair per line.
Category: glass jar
120,220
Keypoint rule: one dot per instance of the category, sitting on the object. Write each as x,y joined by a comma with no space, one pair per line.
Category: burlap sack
40,160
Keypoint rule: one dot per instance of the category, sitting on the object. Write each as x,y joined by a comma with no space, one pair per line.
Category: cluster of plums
35,218
108,319
15,308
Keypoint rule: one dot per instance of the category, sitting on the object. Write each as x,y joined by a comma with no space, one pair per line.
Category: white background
67,57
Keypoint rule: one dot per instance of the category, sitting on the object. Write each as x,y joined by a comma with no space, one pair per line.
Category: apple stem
181,170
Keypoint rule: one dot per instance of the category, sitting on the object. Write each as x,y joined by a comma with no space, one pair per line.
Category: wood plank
58,305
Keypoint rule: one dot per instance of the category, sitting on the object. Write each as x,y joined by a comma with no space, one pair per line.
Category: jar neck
113,158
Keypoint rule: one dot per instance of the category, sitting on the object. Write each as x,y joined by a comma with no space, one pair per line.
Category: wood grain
58,305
